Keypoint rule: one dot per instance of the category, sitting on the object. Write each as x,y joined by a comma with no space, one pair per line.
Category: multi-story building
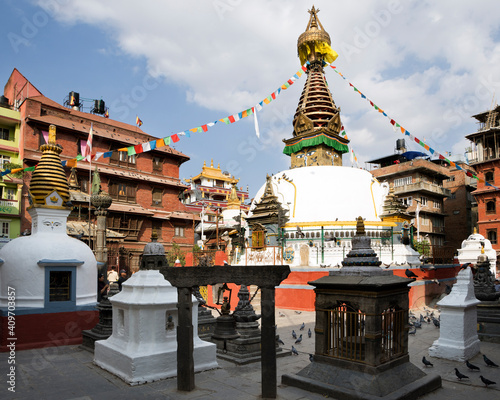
145,187
484,156
418,182
461,207
10,184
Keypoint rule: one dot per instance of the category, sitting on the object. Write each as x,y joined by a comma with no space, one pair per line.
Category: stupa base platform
398,379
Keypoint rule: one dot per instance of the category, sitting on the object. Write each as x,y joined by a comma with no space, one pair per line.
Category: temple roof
213,173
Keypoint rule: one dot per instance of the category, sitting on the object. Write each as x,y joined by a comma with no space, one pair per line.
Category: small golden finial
360,227
212,163
52,134
204,163
475,230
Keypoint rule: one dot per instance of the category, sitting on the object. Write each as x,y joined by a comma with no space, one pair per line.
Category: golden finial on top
52,134
360,227
314,44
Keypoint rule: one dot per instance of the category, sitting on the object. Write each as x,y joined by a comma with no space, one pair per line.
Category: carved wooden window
489,176
258,239
157,164
492,235
157,196
122,191
122,158
490,207
128,225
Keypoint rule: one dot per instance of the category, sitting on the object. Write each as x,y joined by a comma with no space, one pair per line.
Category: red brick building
144,187
484,156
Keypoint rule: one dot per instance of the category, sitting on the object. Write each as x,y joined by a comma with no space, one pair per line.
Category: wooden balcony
423,187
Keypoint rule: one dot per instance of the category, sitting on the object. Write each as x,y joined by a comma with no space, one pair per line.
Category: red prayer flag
138,148
231,118
204,127
393,122
175,138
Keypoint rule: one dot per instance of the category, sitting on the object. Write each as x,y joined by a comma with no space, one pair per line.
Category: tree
423,247
174,254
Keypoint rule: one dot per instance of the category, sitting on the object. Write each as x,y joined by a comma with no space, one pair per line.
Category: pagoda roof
213,173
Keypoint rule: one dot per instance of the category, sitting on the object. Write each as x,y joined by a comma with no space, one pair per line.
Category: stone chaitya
361,332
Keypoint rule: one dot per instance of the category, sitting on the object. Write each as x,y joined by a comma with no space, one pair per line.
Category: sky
180,64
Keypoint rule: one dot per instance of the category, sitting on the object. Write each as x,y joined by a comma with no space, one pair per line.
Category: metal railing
345,337
393,334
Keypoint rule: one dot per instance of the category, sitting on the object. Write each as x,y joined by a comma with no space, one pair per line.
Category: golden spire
233,201
314,44
49,176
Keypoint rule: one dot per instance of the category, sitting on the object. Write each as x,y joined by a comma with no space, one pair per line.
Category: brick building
484,156
144,187
461,207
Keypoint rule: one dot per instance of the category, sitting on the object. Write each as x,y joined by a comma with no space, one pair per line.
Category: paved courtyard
68,372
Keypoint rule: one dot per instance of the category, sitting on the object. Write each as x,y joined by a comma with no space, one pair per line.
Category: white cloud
430,65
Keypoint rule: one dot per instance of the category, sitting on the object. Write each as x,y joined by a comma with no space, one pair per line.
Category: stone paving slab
68,372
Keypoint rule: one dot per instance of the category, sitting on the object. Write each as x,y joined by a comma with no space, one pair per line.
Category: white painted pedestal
458,339
143,346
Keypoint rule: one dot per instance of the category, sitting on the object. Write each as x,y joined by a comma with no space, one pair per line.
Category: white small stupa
143,346
473,246
51,273
458,339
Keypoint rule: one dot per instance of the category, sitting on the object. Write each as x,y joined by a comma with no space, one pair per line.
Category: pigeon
412,331
294,334
302,326
464,266
422,319
487,381
309,333
299,339
298,312
410,274
488,362
472,367
426,362
311,357
459,375
436,322
281,314
281,341
294,351
417,324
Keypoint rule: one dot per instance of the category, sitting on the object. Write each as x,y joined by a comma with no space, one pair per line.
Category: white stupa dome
327,193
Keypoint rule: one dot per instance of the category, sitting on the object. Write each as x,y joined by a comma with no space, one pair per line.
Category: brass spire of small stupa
49,185
317,128
233,201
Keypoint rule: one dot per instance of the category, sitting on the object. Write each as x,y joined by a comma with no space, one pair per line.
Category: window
5,229
10,194
219,183
157,196
424,220
4,133
407,201
490,207
125,224
4,160
84,184
258,239
179,231
60,286
423,201
492,235
122,158
122,191
437,204
157,164
402,181
489,176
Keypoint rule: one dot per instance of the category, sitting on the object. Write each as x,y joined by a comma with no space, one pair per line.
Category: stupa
321,198
53,276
